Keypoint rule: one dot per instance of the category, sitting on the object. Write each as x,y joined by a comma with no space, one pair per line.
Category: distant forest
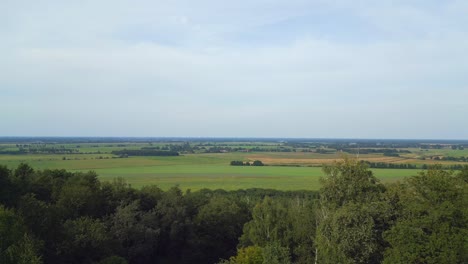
58,216
337,141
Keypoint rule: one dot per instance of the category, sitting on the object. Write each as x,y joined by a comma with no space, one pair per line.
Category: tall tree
432,226
16,245
352,215
136,232
6,188
217,228
86,240
279,224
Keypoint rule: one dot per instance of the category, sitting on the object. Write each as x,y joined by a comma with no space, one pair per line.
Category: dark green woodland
58,216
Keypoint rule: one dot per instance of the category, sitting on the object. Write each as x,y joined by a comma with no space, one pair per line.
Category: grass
212,170
196,177
440,152
218,177
194,171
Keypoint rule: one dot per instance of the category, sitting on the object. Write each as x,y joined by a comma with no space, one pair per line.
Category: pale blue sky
285,68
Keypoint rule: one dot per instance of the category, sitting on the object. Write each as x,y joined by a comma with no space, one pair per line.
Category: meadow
206,164
195,171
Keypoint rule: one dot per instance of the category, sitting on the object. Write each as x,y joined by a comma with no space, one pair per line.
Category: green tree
81,196
247,255
23,171
218,225
463,174
86,240
432,226
268,224
25,251
149,197
353,215
174,219
40,217
21,180
257,163
113,260
6,188
274,253
286,223
116,193
16,246
136,232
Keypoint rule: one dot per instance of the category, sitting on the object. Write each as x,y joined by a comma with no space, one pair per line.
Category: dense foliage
247,163
144,152
57,216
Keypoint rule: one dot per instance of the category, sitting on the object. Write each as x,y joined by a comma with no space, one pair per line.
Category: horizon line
227,137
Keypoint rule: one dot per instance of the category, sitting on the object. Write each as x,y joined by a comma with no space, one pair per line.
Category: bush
257,163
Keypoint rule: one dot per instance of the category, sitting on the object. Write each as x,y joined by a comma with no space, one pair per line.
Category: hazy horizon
261,69
221,138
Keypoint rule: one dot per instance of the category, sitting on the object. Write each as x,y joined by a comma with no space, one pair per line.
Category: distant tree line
385,151
372,145
391,154
184,147
220,149
450,158
325,151
459,147
385,165
144,152
40,150
247,163
445,167
13,152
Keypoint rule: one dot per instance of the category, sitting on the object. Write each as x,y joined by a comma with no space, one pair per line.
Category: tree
353,215
21,179
237,163
274,253
40,217
218,226
86,240
6,188
136,232
257,163
463,174
16,246
81,196
268,224
247,255
113,260
282,224
115,193
23,171
432,226
149,197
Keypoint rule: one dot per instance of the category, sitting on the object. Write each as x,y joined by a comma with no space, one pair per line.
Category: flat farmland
203,170
226,177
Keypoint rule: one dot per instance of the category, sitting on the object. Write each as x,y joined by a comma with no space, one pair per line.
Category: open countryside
294,165
232,201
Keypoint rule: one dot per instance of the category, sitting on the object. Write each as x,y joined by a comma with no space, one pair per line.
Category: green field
232,178
190,171
439,152
290,167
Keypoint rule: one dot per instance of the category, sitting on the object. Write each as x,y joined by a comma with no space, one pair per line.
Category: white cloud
171,69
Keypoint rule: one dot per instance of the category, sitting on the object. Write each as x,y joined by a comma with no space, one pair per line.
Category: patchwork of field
314,159
207,164
198,171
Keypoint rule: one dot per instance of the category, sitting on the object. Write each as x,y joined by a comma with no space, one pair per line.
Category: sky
244,68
